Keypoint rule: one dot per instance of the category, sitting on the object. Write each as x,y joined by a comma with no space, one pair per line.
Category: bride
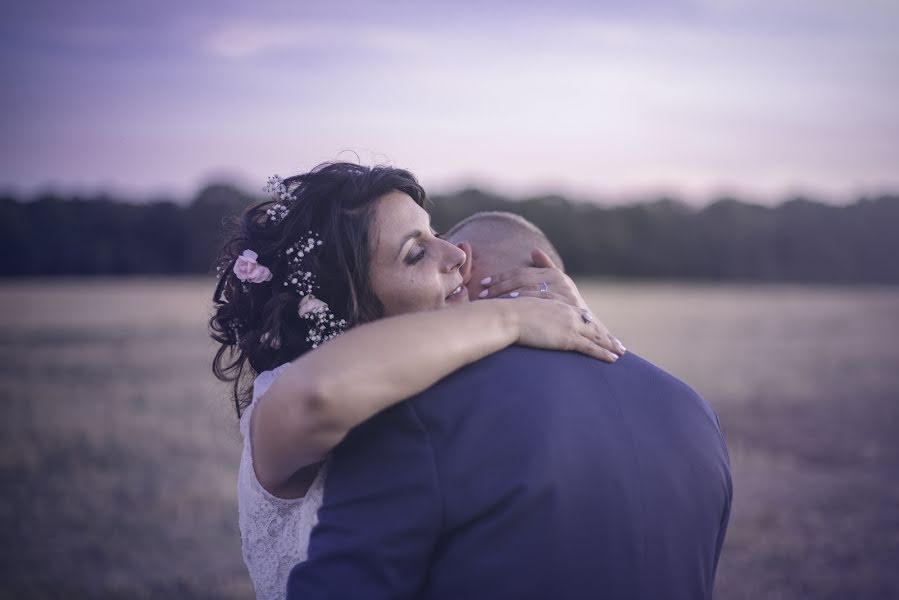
343,261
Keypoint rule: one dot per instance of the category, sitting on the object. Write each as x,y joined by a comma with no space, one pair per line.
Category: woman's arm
311,406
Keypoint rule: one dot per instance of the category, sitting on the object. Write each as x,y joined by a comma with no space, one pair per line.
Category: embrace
442,416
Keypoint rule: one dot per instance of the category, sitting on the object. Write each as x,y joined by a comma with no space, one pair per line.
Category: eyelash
418,257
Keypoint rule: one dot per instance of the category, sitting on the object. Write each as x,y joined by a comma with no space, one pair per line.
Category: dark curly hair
337,201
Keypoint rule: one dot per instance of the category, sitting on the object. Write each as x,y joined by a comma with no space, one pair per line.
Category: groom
530,474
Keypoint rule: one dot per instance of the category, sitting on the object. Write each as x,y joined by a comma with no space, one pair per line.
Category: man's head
499,241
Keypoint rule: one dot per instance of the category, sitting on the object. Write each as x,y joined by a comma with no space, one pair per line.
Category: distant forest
799,240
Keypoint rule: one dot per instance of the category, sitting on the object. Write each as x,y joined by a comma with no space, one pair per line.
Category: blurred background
721,178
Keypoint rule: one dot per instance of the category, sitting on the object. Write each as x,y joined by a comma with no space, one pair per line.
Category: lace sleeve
274,531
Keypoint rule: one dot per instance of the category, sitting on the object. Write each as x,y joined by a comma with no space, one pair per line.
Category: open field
119,449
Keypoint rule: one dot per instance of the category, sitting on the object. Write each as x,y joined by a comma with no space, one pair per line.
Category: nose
465,269
455,257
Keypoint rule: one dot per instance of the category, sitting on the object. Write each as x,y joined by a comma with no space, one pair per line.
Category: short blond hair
513,224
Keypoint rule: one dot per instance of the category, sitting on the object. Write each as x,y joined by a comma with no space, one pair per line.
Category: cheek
406,293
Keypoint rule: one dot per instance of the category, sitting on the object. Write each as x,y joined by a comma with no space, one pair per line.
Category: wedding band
542,286
587,316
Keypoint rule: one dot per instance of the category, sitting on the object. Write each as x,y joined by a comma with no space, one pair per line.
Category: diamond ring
587,316
543,287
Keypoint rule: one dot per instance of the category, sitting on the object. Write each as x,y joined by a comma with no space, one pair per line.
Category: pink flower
247,269
310,303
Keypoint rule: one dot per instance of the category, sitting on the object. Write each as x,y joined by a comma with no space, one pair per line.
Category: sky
612,101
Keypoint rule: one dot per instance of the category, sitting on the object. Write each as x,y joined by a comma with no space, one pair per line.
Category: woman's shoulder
264,380
260,385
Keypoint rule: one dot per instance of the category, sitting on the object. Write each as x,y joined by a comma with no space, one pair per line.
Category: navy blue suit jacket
528,474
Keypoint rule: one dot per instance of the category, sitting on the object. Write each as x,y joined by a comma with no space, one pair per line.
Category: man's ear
542,260
466,267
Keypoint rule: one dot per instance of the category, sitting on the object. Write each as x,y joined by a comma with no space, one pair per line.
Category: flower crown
275,186
323,324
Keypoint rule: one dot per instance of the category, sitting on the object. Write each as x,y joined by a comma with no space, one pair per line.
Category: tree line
798,240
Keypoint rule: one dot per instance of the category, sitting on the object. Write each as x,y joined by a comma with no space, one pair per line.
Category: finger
561,297
527,278
619,347
541,259
610,340
590,348
596,331
524,293
518,272
523,284
505,287
606,341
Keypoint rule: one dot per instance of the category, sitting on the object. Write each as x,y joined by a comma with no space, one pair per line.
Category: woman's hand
525,282
555,325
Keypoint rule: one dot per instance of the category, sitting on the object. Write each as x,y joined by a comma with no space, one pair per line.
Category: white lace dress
274,532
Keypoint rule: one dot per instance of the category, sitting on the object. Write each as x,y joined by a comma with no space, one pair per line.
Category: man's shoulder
518,372
506,379
515,363
523,358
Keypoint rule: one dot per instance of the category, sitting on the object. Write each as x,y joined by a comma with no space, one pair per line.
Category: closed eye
418,257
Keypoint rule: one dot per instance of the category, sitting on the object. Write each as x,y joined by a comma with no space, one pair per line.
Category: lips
460,291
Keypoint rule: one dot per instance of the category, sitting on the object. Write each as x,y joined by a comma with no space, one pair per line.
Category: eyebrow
412,234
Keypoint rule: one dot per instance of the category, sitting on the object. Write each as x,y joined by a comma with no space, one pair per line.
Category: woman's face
412,269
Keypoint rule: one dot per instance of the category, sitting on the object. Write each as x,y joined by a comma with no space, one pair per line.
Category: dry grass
119,451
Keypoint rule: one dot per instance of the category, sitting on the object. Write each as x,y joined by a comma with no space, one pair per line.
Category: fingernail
485,281
514,295
483,294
